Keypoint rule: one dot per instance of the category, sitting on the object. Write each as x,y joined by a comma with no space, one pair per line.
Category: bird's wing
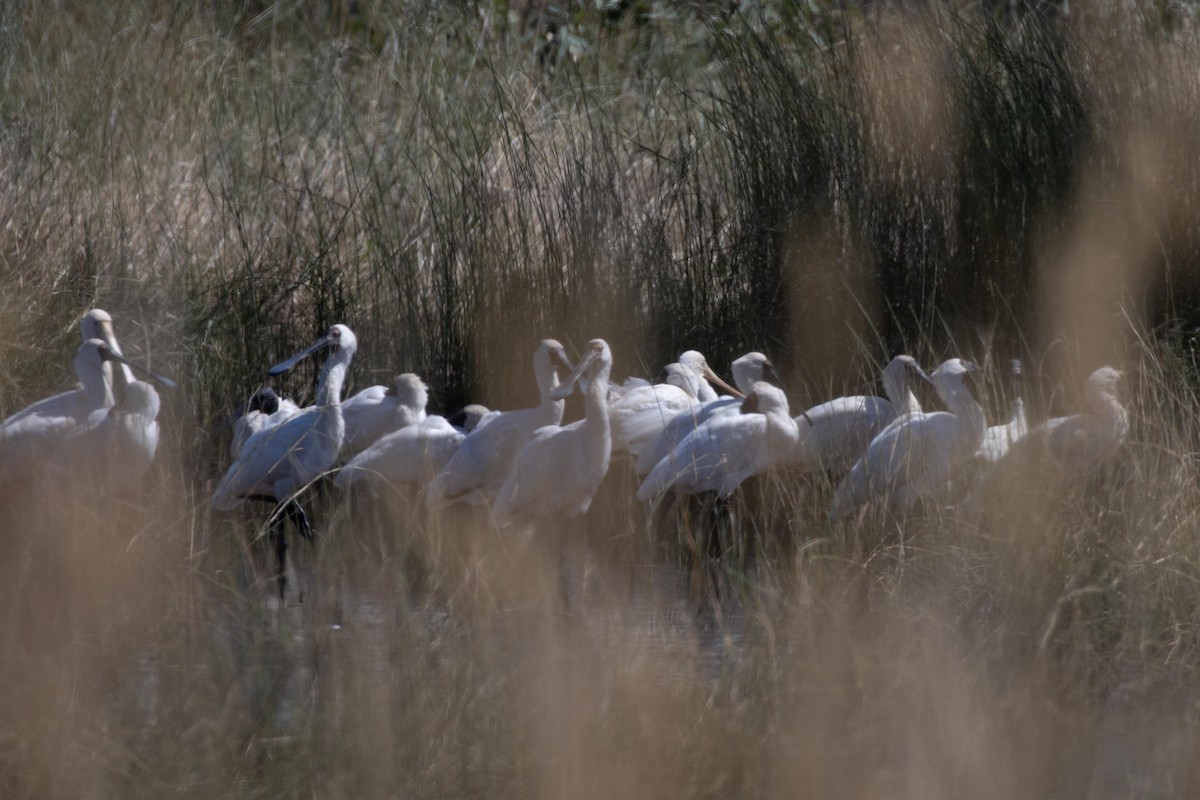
409,455
483,458
265,458
719,455
841,430
64,404
367,397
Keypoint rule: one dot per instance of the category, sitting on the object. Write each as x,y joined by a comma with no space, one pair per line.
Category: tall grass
455,183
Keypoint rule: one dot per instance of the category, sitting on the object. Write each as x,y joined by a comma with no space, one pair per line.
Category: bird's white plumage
919,453
378,410
727,449
640,414
999,438
98,324
414,452
412,455
1079,444
480,465
31,436
277,461
115,448
747,371
264,409
834,434
560,468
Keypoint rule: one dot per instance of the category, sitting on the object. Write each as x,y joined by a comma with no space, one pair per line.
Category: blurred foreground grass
829,186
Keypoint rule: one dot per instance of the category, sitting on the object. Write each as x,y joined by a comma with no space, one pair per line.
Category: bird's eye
335,333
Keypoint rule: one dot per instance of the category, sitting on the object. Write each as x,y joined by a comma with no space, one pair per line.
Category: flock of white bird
100,434
682,436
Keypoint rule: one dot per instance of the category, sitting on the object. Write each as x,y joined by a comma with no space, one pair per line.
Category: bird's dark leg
279,534
295,512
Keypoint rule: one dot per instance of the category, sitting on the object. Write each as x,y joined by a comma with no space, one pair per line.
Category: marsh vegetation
830,185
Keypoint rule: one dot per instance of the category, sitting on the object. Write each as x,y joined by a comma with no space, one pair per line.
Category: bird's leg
295,512
279,535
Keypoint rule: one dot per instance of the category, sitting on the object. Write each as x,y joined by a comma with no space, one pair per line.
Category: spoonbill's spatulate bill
30,437
727,449
115,448
480,465
559,470
920,452
98,324
639,414
747,371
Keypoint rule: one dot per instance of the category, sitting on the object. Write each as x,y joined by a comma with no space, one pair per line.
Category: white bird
834,434
98,324
276,463
747,371
920,452
1079,444
115,448
467,418
559,470
478,468
999,438
641,412
378,410
93,372
264,409
729,448
30,437
412,454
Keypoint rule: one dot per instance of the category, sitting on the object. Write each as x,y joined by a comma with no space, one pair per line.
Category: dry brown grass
225,182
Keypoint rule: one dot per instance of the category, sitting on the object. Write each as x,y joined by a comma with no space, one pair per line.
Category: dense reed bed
457,181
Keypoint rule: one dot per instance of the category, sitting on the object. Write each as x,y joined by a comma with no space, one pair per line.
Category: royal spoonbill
478,468
999,438
834,434
264,409
378,410
91,370
276,463
920,452
1079,444
31,436
727,449
560,468
115,448
467,418
747,371
412,454
98,324
640,412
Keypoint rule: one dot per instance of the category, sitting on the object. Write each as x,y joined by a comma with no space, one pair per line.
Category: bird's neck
595,403
901,397
98,386
783,433
408,415
1116,419
969,412
333,375
551,410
